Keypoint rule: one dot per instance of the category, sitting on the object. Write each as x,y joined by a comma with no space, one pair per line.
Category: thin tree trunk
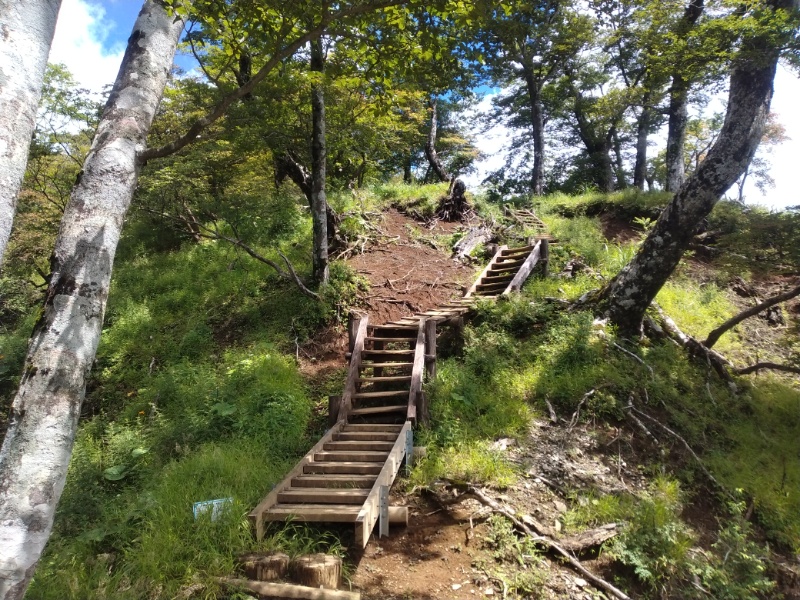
407,175
679,104
619,164
537,125
319,203
642,131
629,294
45,411
430,147
676,134
26,27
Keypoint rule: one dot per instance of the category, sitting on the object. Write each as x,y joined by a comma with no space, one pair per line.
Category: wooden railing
360,330
417,371
525,269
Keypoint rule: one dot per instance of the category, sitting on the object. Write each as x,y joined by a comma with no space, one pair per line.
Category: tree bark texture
678,113
45,411
26,31
642,131
537,129
629,294
319,203
597,147
430,147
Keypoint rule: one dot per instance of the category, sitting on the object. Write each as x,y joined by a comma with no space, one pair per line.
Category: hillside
213,374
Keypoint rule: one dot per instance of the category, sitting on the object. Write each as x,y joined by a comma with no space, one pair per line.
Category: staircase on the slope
346,476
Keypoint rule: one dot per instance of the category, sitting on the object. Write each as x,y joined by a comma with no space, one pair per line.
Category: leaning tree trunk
629,294
45,411
642,132
27,31
430,147
537,126
319,203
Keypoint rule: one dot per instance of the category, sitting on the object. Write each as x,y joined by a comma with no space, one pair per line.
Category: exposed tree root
759,366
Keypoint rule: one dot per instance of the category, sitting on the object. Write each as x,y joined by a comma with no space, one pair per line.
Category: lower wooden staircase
346,476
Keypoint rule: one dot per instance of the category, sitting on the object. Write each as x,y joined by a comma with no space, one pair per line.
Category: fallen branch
574,420
474,238
546,542
686,445
288,590
634,357
767,365
714,336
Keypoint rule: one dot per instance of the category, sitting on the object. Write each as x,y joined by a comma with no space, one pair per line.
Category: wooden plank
342,468
363,436
355,362
384,379
524,270
389,394
377,446
366,353
389,340
417,371
289,591
334,481
386,364
377,410
492,262
323,496
368,515
350,456
498,278
257,513
430,351
372,427
318,513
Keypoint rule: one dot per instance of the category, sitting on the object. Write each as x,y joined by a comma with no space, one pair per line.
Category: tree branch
767,365
220,109
714,336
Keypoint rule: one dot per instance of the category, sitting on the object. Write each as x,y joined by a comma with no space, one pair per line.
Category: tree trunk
676,134
537,126
319,203
629,294
430,147
619,163
407,175
45,411
642,131
27,28
679,105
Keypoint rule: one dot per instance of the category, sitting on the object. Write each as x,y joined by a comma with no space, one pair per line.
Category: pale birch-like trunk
537,126
631,292
430,147
44,416
642,132
676,134
319,151
26,32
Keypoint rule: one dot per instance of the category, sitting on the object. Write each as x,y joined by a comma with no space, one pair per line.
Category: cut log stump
317,571
265,567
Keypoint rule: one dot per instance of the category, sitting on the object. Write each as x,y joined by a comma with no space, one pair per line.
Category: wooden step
492,286
504,269
378,410
324,513
386,364
350,427
384,379
516,251
389,394
351,456
508,261
391,339
355,468
366,436
334,481
372,445
491,278
367,352
323,496
392,327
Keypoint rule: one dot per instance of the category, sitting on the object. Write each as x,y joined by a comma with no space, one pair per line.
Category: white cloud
81,32
491,143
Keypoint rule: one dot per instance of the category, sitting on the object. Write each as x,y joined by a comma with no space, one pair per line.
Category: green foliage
697,308
420,201
516,559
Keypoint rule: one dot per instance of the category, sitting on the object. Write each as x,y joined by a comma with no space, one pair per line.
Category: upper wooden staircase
346,476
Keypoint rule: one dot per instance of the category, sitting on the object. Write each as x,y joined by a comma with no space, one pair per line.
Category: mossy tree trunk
44,415
319,202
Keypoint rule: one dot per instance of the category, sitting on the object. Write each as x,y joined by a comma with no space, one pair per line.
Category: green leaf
116,472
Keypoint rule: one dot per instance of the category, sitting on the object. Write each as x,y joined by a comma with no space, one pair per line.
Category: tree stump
265,567
317,570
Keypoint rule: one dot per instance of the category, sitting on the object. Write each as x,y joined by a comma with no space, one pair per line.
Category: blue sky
91,37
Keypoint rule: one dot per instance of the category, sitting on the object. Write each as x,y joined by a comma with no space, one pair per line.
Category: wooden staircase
346,476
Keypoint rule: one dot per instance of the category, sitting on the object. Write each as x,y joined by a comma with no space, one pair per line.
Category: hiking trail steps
346,476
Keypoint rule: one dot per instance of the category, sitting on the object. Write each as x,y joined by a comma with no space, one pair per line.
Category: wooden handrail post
359,328
545,257
430,348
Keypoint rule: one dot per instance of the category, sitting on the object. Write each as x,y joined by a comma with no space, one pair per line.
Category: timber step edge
323,496
334,481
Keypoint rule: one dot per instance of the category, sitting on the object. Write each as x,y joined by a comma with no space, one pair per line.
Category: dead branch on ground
547,543
714,336
767,365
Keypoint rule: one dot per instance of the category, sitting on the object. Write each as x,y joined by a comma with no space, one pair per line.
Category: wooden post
317,571
334,404
430,348
422,406
263,567
352,327
545,257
